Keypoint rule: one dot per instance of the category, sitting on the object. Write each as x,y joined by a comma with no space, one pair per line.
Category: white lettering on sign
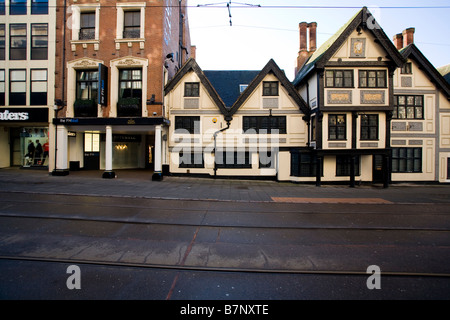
7,115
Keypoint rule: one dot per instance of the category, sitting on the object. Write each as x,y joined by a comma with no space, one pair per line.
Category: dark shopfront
26,143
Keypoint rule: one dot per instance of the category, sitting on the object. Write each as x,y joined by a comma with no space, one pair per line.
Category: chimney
398,41
306,30
303,26
193,52
408,36
312,36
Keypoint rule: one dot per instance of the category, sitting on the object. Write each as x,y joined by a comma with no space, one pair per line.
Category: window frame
303,164
136,34
367,126
133,81
192,156
3,40
39,50
406,105
187,123
271,88
39,6
88,83
37,97
334,77
257,123
235,165
397,157
90,30
17,95
367,78
343,165
192,89
337,126
18,7
2,88
406,68
22,49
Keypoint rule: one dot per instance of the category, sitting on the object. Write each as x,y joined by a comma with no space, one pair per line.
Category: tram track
219,269
127,221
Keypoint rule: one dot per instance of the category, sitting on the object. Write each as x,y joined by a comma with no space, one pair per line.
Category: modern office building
27,77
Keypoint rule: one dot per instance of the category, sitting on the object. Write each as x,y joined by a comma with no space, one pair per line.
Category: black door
378,168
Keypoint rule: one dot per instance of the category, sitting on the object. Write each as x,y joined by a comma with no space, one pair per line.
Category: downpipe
215,145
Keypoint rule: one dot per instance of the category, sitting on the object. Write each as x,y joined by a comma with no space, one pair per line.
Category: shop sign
24,115
103,86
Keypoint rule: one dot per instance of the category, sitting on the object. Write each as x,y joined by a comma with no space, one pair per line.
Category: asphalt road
155,249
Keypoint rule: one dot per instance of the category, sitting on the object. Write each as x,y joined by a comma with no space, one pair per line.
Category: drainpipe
215,138
59,104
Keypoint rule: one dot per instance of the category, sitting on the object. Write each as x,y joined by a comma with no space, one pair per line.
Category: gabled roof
445,72
227,83
363,19
271,67
412,52
189,66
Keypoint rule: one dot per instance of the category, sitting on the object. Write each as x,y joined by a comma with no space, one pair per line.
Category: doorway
377,174
91,151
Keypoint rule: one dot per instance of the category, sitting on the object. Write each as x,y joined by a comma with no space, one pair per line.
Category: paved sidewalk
138,183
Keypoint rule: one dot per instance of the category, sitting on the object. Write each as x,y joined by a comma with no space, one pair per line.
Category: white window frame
131,6
76,11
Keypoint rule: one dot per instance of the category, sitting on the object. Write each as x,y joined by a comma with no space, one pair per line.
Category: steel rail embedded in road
222,226
221,269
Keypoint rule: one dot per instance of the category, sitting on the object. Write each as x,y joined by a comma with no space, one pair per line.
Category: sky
258,34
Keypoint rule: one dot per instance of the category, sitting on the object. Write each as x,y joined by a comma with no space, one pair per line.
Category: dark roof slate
227,83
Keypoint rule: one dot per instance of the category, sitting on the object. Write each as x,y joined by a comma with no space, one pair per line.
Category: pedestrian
38,153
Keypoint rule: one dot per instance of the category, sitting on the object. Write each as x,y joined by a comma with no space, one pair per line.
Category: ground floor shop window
303,164
34,146
343,165
233,160
191,160
407,160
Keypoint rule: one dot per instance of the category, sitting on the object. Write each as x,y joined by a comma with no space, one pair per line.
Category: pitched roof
189,66
412,52
271,67
445,72
227,83
361,19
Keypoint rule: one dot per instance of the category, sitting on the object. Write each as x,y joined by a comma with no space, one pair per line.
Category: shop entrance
377,174
29,147
92,151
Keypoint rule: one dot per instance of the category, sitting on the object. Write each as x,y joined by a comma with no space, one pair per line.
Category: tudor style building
420,130
234,123
348,84
112,62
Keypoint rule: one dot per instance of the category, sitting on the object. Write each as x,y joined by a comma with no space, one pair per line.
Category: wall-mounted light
121,147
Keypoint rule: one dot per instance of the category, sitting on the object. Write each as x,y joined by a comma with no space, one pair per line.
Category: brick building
112,61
